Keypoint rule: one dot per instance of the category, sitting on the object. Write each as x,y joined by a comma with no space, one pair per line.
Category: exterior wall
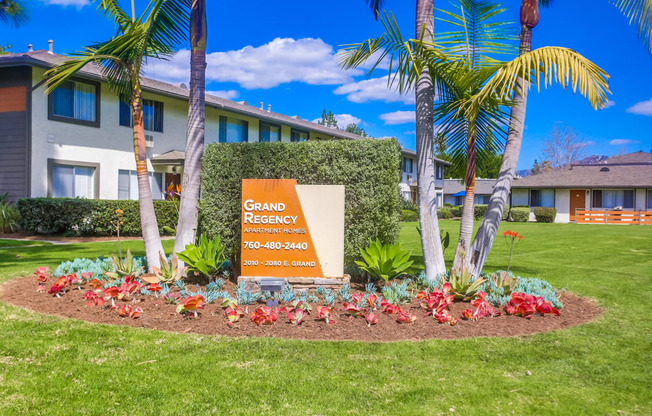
14,132
408,177
111,145
562,204
520,197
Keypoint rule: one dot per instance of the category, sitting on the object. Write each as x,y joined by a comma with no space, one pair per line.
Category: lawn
57,366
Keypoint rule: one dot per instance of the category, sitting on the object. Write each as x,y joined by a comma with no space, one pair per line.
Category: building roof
482,186
45,59
173,157
413,153
633,170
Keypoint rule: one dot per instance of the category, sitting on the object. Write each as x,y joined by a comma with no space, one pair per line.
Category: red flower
371,319
371,300
391,309
404,317
324,313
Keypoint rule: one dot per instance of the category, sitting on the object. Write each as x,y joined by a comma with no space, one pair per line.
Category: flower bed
403,310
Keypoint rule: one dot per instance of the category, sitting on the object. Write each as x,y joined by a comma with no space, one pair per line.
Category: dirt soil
212,321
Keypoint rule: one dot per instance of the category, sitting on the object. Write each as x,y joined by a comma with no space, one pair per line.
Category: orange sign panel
276,240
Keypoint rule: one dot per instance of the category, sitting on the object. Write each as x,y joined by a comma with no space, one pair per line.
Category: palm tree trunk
468,212
149,225
433,255
488,230
190,188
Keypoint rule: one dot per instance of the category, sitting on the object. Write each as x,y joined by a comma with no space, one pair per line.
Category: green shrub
444,213
543,214
409,205
9,216
409,216
448,204
456,212
369,169
520,214
206,257
89,217
479,210
385,261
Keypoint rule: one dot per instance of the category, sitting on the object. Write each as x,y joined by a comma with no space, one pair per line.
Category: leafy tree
327,119
355,129
189,205
152,35
5,49
13,12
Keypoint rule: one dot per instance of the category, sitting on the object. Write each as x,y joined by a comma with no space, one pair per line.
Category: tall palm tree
433,254
189,206
490,86
13,12
153,34
639,11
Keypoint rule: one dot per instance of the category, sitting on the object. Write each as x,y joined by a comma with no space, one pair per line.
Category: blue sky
283,53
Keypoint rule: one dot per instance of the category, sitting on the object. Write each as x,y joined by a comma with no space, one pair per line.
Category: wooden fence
613,217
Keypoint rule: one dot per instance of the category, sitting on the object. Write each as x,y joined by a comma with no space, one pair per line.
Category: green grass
16,243
53,366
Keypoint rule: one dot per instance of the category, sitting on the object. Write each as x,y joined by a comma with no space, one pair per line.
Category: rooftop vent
30,48
604,169
184,86
50,46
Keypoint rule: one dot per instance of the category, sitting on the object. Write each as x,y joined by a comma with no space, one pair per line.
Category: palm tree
13,12
189,206
639,11
433,254
470,95
153,34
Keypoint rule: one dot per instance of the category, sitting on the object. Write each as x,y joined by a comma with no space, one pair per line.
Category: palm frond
555,65
375,6
639,13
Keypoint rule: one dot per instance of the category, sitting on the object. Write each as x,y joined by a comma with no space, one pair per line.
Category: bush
479,210
409,216
520,214
543,214
370,170
456,211
444,213
89,217
409,205
448,204
9,216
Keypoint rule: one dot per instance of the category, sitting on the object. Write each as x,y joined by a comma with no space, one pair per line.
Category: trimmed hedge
409,216
543,214
89,217
369,169
444,213
456,211
520,214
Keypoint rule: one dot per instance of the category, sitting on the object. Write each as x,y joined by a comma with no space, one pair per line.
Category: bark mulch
212,321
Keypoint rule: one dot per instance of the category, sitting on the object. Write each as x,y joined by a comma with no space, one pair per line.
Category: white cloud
411,132
343,120
280,61
77,3
621,142
609,104
587,144
398,117
374,89
643,108
228,94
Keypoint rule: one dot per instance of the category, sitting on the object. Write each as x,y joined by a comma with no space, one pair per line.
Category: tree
13,12
449,69
355,129
563,147
638,11
542,167
152,35
189,205
328,119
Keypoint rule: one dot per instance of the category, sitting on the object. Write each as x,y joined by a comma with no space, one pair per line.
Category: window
407,165
128,184
611,198
233,130
75,102
299,135
649,199
269,132
72,181
542,198
152,115
481,199
439,173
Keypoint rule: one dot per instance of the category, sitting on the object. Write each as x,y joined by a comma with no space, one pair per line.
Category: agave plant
505,281
463,286
169,272
124,268
207,257
385,261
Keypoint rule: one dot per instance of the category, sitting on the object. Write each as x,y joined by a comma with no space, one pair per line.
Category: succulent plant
463,286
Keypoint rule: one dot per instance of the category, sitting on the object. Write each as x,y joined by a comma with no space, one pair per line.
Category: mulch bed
212,321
